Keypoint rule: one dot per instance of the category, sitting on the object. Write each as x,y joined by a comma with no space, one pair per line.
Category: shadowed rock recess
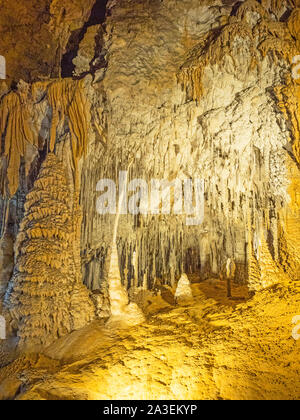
144,305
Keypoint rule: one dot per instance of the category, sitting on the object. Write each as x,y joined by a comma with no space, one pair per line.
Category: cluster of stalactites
280,40
67,101
264,37
16,130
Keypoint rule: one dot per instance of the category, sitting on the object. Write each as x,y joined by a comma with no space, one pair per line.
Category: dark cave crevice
97,16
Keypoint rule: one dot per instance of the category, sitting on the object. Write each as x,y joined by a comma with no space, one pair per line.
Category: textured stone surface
34,35
205,351
234,136
6,262
169,89
45,297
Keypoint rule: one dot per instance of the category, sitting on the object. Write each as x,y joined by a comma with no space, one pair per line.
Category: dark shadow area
97,17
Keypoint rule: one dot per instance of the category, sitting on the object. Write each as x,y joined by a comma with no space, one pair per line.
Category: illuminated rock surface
208,350
45,297
183,292
173,89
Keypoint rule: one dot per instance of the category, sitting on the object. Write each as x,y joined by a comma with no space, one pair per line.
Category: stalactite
211,50
289,103
17,133
265,37
288,97
67,99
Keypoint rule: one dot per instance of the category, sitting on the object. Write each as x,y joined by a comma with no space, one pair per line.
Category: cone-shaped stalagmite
121,310
184,293
45,296
117,293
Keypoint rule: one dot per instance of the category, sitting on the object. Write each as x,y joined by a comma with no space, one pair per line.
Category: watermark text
2,68
2,328
296,68
177,197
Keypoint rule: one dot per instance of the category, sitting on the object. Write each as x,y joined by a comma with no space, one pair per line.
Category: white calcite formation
6,262
183,294
121,310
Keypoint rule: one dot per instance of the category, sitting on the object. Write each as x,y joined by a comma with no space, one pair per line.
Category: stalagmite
118,296
121,310
183,294
45,296
230,274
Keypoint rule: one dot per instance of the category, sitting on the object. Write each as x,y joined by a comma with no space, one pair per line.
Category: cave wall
173,89
190,91
35,35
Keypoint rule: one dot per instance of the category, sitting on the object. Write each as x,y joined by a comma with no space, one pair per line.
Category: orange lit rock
165,90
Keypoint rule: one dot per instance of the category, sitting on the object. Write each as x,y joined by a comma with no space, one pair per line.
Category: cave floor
215,348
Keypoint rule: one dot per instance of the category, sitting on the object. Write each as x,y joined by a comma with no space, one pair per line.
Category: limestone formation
234,133
117,293
15,128
183,294
45,296
66,99
230,274
35,35
6,262
163,96
120,308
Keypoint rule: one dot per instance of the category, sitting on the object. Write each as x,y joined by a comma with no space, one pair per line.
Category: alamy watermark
296,68
2,68
177,197
296,329
2,328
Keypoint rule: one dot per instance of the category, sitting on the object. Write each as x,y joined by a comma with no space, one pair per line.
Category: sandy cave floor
216,348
